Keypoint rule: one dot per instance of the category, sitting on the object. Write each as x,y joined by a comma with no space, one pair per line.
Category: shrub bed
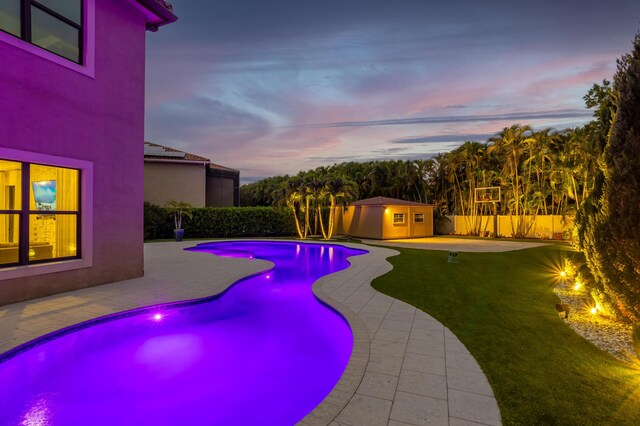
221,222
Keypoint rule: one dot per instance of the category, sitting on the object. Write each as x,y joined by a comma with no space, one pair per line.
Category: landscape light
563,274
577,285
593,310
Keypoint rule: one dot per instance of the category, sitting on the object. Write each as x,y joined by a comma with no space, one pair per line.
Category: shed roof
386,201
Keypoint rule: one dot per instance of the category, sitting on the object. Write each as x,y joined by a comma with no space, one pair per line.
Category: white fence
548,226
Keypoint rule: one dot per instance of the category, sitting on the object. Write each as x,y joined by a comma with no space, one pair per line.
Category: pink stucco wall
50,109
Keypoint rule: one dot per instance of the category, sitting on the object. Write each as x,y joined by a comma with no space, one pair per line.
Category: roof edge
162,10
387,201
162,160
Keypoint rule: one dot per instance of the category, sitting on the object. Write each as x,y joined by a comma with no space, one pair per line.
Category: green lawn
502,307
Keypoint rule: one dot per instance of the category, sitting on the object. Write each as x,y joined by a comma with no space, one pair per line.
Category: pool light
158,317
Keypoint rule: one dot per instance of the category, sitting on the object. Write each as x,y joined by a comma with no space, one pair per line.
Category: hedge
221,222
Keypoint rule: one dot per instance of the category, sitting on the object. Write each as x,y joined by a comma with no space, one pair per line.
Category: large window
39,213
54,25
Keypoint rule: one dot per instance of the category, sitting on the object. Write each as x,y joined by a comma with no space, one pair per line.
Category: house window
54,25
398,218
39,213
418,218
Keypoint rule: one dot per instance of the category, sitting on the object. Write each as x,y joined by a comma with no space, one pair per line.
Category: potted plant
178,209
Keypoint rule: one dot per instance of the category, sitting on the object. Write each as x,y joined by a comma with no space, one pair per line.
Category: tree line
538,172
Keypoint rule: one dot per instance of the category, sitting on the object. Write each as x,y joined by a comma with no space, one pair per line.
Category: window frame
415,218
84,258
86,66
398,222
26,24
25,214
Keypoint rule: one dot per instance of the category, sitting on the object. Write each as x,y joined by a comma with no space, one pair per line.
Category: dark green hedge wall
221,222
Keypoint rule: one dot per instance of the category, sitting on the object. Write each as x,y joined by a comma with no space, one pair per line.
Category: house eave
157,14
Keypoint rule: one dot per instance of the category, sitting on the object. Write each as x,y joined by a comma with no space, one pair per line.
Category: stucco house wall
95,119
171,174
174,181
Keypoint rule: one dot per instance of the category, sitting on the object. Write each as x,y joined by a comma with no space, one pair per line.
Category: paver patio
406,367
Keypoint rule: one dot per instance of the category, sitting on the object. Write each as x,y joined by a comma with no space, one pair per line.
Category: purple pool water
264,352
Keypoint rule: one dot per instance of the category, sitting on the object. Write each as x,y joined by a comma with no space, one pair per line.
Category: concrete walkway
406,368
456,244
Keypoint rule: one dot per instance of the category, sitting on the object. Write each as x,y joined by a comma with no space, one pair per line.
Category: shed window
418,218
398,218
56,26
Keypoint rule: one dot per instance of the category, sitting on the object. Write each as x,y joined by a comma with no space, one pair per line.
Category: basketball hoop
487,194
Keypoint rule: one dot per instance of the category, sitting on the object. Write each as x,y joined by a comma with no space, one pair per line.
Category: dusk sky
275,87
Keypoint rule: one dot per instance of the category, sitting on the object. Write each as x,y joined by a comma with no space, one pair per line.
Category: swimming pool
266,351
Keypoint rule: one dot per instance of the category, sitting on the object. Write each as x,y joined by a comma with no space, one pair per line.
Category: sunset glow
292,86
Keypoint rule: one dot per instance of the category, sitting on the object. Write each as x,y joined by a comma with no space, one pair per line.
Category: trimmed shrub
154,217
227,222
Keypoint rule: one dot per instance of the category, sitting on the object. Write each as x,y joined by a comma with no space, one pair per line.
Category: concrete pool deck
406,367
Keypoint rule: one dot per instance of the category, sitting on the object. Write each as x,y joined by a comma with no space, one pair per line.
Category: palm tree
316,194
510,145
341,192
291,194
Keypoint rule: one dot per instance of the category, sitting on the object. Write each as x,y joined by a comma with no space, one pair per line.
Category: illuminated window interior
39,213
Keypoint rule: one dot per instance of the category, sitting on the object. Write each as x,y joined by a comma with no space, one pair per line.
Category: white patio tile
420,410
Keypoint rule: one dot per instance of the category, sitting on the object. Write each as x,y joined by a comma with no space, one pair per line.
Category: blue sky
274,87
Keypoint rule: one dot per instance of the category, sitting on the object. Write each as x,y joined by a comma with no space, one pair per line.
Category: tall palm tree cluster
313,198
538,172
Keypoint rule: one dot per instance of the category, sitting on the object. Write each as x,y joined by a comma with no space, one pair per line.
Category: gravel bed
607,334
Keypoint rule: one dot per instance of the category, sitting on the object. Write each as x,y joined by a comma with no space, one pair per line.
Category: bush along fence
220,222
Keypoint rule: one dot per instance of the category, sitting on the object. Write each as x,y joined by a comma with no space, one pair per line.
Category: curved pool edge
60,332
331,406
169,267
